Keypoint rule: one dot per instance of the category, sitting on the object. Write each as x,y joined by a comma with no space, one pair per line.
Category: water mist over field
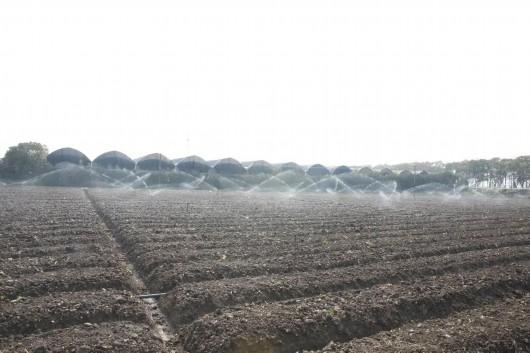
288,181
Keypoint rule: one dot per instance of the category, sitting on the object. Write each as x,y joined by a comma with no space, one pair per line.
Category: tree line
495,173
506,173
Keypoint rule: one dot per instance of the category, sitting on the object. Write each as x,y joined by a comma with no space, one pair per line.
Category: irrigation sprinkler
414,193
159,168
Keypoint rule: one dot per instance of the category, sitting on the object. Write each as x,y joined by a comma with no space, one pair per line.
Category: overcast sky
353,82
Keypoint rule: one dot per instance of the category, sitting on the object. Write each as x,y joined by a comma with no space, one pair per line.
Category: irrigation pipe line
151,295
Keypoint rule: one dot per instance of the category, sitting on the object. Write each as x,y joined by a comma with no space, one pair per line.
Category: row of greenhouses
191,164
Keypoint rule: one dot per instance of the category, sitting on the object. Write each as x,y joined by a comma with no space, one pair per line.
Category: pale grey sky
354,82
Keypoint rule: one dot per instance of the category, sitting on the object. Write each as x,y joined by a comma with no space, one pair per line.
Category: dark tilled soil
255,272
223,253
169,275
68,279
187,302
116,337
29,315
150,258
499,328
19,252
196,251
17,267
64,283
311,323
18,243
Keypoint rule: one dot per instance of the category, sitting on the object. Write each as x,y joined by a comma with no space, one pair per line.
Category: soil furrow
116,337
67,279
497,328
149,260
155,316
187,302
311,323
19,267
169,275
60,310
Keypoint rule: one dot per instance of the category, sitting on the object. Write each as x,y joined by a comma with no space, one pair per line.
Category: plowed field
261,272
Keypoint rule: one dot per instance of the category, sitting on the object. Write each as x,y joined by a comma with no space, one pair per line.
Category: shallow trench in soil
155,316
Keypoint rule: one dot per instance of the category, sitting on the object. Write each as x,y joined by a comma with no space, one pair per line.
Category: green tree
25,160
500,174
521,167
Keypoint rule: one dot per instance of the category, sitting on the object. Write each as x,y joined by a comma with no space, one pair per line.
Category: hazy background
310,81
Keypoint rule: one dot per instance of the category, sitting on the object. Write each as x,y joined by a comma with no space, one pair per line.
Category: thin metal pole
151,295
